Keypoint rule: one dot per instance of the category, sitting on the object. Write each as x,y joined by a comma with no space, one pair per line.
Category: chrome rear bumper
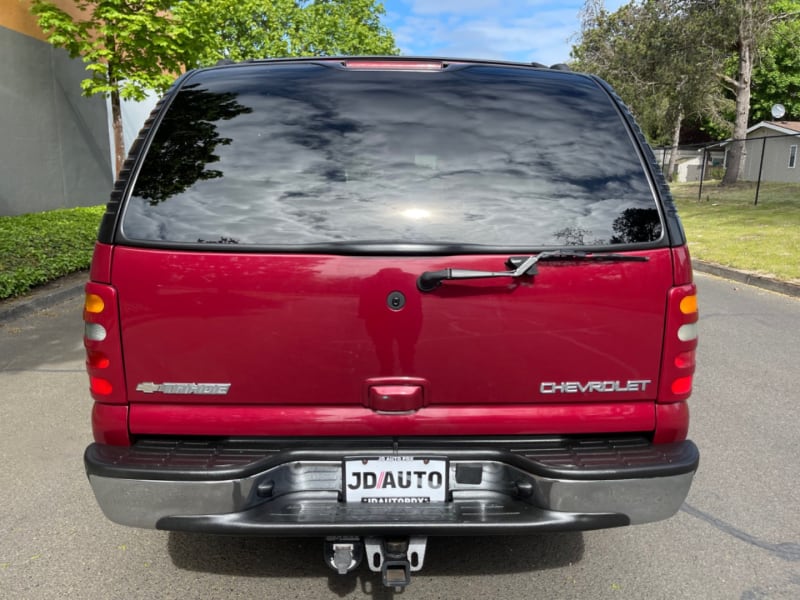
293,487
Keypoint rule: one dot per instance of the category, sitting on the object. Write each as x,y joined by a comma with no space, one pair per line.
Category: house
779,141
55,148
689,162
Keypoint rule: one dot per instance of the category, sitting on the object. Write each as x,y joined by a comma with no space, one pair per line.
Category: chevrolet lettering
379,299
603,387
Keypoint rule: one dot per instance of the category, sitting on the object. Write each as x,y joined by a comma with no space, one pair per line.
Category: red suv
376,300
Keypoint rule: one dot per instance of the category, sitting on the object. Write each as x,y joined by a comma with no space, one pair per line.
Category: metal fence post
702,174
760,167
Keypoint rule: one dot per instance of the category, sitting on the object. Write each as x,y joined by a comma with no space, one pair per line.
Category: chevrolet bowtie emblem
147,388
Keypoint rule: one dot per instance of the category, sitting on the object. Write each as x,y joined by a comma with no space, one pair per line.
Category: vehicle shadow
302,558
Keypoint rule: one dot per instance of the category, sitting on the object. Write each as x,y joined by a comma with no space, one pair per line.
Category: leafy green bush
40,247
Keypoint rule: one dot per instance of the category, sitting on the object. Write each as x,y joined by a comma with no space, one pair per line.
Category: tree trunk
673,155
116,112
116,125
738,151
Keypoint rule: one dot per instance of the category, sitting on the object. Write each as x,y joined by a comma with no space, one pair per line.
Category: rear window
304,154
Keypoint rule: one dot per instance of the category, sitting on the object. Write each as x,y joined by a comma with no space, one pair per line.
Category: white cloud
532,30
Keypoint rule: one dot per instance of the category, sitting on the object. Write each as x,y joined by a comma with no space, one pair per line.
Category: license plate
395,480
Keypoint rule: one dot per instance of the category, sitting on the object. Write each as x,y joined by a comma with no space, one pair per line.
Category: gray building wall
54,143
776,157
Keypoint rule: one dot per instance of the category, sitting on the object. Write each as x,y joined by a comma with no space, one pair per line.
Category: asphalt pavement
737,536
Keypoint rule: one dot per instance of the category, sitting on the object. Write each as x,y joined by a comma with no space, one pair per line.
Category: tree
129,47
776,78
132,46
744,24
608,48
343,27
736,30
676,58
239,30
245,29
646,50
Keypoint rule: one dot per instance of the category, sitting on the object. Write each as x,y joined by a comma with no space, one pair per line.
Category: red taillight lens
680,342
96,360
682,385
685,360
100,386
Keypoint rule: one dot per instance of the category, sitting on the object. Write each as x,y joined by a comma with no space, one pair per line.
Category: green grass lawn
41,247
724,227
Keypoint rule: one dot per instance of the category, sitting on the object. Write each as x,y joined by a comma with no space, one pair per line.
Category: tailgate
306,330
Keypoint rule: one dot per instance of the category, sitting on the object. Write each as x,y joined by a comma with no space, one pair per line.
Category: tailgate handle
396,398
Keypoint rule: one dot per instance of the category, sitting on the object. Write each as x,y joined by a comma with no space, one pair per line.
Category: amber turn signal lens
94,303
689,305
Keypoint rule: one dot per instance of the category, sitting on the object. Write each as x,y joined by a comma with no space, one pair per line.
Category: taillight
103,348
94,304
680,342
100,387
97,360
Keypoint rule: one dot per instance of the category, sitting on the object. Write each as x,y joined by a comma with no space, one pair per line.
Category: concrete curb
44,296
72,285
759,281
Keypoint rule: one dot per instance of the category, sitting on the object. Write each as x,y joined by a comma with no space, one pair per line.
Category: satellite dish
778,110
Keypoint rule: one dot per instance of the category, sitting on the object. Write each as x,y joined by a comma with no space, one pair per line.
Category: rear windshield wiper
519,266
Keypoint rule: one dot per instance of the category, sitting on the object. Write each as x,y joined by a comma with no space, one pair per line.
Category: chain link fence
769,161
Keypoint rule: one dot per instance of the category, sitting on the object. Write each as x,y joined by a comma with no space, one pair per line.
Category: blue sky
520,30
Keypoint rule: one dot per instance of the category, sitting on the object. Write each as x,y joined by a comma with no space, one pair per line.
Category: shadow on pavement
302,558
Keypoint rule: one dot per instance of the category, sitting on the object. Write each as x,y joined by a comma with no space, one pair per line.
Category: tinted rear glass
295,155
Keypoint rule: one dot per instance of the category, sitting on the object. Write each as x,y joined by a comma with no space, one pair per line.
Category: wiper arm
519,265
430,280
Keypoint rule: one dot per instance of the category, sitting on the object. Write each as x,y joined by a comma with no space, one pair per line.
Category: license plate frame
395,479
